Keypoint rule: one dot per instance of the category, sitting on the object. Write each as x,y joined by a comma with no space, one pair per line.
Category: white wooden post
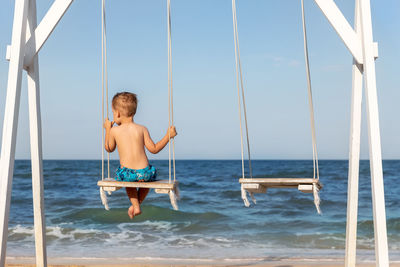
375,156
11,119
354,155
36,145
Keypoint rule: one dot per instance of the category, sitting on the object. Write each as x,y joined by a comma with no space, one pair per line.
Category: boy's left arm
155,148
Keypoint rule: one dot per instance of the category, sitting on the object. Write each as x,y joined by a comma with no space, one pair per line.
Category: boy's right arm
155,148
109,142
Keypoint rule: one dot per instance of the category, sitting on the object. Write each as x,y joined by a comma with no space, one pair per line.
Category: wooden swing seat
159,186
260,185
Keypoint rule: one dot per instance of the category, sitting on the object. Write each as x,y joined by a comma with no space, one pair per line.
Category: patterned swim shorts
147,174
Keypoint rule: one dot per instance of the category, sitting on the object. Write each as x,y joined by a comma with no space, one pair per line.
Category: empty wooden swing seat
260,185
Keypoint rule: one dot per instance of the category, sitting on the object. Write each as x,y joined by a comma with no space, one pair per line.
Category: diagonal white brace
44,29
342,27
376,50
8,52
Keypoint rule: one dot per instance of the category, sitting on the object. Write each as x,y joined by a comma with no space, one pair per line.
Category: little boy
131,139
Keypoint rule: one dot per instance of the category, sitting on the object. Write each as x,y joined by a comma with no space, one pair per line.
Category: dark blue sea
212,222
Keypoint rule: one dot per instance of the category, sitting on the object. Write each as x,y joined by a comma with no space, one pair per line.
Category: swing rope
317,199
104,85
310,99
171,152
240,91
104,98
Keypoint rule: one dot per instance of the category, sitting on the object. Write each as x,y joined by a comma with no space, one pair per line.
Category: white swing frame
28,38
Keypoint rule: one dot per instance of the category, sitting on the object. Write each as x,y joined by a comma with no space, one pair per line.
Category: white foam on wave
57,232
119,241
125,234
157,225
149,225
19,229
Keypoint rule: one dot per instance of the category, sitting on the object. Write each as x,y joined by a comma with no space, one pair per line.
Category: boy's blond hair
126,103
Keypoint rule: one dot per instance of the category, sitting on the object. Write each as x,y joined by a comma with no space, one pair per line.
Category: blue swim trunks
147,174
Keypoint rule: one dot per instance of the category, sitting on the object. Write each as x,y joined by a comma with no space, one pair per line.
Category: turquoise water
212,221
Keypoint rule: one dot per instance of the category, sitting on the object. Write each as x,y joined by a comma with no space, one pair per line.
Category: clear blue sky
204,78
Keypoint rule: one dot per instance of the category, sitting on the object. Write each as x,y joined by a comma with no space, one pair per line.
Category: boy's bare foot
131,212
136,210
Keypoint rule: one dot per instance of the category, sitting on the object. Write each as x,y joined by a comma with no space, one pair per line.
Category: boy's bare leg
142,193
133,197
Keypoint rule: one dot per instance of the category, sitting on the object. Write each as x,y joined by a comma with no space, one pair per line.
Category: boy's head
124,104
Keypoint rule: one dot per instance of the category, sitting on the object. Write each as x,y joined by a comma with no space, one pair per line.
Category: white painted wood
8,53
376,50
45,28
378,197
279,181
162,184
161,191
305,188
354,155
256,183
36,146
11,119
255,188
342,27
111,188
251,186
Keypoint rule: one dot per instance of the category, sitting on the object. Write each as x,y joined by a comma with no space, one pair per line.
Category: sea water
212,222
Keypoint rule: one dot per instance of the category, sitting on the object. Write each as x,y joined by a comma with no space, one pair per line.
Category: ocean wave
392,224
231,194
118,215
120,240
145,234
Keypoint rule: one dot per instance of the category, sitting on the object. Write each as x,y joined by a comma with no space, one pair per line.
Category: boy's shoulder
140,127
132,127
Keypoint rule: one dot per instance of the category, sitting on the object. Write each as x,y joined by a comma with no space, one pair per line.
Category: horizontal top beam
59,7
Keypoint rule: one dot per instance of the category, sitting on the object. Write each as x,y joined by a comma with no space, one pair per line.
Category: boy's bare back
130,140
